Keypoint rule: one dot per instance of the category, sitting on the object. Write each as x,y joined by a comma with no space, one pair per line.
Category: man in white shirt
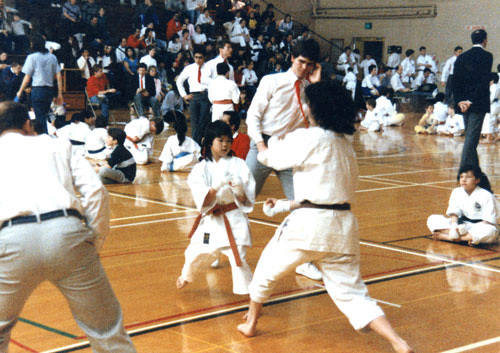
347,60
223,93
41,223
120,50
198,77
371,84
278,107
396,82
394,59
149,59
225,52
423,77
366,63
193,9
85,63
425,61
447,74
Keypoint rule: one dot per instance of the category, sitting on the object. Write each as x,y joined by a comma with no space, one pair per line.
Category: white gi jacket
202,177
221,89
324,172
175,157
480,204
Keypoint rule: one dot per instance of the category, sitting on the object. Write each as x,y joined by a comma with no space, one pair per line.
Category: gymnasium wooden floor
441,297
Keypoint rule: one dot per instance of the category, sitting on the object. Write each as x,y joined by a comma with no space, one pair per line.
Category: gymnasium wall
439,34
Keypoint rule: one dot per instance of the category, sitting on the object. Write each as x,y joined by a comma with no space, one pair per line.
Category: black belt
337,207
76,143
97,151
42,217
201,92
464,219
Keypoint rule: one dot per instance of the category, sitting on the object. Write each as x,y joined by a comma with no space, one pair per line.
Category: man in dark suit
145,91
471,92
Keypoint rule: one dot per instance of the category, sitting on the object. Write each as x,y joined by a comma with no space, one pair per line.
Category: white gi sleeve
258,107
454,203
285,153
248,184
489,213
199,182
94,197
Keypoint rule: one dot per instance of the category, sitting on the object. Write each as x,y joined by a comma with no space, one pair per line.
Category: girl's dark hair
484,183
331,106
215,129
133,52
117,134
180,127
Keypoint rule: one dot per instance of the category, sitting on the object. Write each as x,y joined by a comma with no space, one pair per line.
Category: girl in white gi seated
180,152
473,211
95,143
77,131
453,126
321,229
440,108
385,109
371,122
490,129
223,190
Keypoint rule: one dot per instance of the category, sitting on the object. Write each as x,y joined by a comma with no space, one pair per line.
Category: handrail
310,30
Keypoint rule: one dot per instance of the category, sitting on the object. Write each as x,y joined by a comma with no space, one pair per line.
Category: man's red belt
220,210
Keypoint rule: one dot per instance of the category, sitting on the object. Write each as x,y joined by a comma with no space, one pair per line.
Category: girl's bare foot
181,282
402,347
247,329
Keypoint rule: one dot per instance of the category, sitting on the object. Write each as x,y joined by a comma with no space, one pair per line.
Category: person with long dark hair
41,66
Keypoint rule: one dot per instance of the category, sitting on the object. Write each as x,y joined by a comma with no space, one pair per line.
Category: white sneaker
310,271
215,264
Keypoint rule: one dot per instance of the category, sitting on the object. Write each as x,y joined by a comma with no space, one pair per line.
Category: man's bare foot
402,347
247,329
181,282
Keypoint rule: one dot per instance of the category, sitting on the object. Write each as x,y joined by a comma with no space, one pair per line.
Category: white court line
150,222
149,215
151,201
474,345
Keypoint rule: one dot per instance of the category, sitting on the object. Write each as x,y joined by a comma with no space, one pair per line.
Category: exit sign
368,25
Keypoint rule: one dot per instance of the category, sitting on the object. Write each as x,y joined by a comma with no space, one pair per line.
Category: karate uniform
142,150
178,158
365,64
408,70
453,125
344,62
350,82
369,85
394,60
76,134
324,172
211,237
212,67
371,122
386,112
222,89
479,205
427,124
490,119
95,144
440,111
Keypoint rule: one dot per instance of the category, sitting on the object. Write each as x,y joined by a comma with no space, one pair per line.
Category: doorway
372,45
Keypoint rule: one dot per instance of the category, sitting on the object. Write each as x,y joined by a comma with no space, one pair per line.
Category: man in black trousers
471,92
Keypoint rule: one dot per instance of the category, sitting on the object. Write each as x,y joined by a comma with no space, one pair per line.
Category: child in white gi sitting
140,136
385,109
223,190
371,121
454,124
95,143
180,152
321,229
428,122
472,211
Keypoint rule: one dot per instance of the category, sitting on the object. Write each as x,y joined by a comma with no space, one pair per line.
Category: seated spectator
285,27
89,10
174,46
206,23
153,72
146,13
145,92
120,50
428,123
172,7
12,77
241,141
425,81
385,110
71,15
149,59
85,62
99,91
268,28
121,167
397,83
172,101
173,26
240,34
250,79
440,108
94,36
135,40
4,60
102,21
454,125
199,38
347,59
366,63
193,9
253,24
371,121
188,25
77,131
186,43
370,84
21,42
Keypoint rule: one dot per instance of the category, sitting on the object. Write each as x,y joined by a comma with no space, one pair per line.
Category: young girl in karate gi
180,152
222,186
472,210
321,229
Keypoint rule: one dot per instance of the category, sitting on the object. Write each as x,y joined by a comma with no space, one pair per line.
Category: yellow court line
474,345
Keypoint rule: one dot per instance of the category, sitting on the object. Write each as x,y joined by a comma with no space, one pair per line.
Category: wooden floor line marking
474,345
148,215
150,222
